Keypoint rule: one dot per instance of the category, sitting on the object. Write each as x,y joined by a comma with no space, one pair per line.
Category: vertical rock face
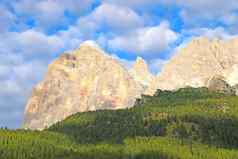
198,62
140,72
85,80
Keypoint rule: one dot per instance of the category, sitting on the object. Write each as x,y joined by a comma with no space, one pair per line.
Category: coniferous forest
190,123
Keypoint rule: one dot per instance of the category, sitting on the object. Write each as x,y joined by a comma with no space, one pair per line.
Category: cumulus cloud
219,33
205,12
31,43
50,13
110,17
192,11
146,40
208,9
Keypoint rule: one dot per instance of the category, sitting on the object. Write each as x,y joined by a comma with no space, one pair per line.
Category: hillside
187,124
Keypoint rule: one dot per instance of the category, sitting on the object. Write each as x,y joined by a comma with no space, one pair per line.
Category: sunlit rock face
231,75
86,79
199,61
140,72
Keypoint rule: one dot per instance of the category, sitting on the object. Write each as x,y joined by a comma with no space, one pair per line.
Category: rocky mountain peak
198,62
90,49
140,65
140,72
86,79
90,43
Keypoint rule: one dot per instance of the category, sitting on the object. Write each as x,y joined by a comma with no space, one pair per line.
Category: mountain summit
86,79
140,72
198,62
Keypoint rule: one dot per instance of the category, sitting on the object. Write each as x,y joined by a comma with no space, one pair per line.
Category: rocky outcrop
218,84
86,79
141,74
198,62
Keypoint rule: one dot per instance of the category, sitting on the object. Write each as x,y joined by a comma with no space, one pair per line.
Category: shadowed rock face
198,62
84,80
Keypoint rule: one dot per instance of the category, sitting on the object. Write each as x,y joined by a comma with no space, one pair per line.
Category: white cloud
192,11
145,41
110,17
134,3
35,44
45,12
50,13
218,32
208,8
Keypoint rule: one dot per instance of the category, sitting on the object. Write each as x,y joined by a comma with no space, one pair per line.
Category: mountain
198,62
86,79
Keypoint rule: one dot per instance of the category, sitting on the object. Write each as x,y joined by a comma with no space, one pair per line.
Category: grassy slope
187,124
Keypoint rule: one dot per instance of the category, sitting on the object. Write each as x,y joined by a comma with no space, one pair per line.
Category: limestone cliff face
140,72
231,75
85,80
88,79
198,62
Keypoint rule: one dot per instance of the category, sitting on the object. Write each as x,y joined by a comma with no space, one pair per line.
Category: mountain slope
188,124
211,118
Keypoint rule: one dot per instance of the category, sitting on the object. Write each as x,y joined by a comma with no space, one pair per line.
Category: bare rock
85,80
140,72
198,62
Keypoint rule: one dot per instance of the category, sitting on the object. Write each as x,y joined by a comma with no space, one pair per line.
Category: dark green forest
190,123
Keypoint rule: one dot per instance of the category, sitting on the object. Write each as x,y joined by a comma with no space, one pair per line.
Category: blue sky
34,32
